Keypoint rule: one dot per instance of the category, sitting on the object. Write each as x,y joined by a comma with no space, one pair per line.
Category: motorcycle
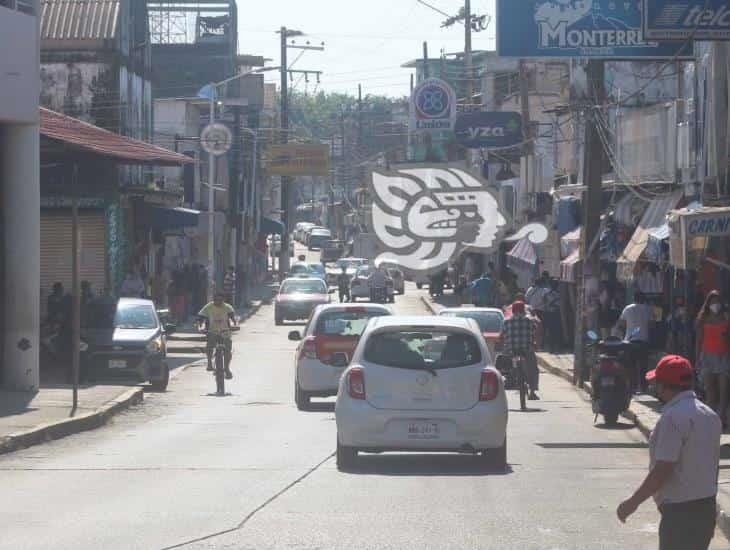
610,379
379,295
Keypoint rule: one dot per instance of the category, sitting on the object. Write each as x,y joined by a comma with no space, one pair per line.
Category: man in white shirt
684,459
635,320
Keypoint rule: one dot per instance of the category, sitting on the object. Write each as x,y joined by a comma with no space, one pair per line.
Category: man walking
483,291
685,453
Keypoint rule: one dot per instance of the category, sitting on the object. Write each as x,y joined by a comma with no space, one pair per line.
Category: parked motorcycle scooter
610,379
379,295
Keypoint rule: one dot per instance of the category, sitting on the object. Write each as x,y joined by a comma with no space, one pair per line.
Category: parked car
332,250
326,347
300,229
350,265
124,338
399,284
396,395
317,238
489,319
308,231
297,297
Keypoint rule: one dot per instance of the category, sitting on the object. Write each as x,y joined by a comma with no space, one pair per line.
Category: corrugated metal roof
92,139
654,216
79,19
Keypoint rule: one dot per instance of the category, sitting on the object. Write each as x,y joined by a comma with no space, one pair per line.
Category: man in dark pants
685,453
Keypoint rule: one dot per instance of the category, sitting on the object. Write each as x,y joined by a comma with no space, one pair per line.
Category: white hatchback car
326,348
421,384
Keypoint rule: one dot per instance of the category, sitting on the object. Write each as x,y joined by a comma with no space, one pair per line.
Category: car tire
346,457
301,398
161,384
496,458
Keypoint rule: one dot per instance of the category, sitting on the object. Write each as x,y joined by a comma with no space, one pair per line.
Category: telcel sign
577,28
685,19
433,106
488,129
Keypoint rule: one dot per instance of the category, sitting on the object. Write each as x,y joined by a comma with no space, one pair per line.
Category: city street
193,470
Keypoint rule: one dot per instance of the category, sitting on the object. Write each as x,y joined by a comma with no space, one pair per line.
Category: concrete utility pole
528,148
468,69
283,139
425,61
593,155
359,114
75,288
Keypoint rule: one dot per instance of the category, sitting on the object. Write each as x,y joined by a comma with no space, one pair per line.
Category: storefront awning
653,218
159,217
690,228
271,227
569,267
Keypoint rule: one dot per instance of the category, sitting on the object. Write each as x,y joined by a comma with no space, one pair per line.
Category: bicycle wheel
522,384
220,375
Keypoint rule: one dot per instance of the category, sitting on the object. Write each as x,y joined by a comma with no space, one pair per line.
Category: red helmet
518,307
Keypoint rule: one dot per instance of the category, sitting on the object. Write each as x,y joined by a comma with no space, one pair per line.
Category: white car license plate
423,430
608,382
117,364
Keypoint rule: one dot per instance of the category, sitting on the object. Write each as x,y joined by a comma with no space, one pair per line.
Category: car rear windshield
305,286
487,321
347,264
346,323
110,315
422,349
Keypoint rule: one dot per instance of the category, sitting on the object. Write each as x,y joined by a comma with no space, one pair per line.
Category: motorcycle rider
518,337
219,317
378,282
343,285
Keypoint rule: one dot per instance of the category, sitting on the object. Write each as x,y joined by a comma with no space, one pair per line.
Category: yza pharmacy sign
489,129
433,106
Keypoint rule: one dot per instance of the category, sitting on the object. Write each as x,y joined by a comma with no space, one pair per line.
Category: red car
490,322
539,331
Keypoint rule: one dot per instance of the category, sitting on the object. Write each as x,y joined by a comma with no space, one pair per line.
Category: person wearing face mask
684,451
713,352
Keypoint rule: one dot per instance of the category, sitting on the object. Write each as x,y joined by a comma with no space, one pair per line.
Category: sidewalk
644,412
28,419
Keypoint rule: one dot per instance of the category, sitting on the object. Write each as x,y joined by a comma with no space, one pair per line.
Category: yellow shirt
217,317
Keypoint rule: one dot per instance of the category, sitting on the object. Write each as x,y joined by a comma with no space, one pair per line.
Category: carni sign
577,28
684,19
488,129
433,106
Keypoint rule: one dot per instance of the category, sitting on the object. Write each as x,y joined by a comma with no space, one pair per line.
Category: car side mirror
331,291
294,336
170,329
592,335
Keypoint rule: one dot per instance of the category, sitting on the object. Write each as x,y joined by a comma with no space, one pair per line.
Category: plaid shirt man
518,334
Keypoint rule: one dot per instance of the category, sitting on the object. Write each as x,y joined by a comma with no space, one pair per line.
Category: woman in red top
713,352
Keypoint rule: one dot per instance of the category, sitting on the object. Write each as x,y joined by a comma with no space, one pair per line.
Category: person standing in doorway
635,320
229,286
133,286
713,353
684,451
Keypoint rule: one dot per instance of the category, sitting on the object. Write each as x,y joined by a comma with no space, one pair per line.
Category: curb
429,305
68,426
637,415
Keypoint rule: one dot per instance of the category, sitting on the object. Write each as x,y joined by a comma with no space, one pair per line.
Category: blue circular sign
433,101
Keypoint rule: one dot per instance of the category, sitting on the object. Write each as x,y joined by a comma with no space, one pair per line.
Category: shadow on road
528,410
425,465
618,426
321,406
602,445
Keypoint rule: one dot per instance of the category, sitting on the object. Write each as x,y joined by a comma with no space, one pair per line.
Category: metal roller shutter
56,249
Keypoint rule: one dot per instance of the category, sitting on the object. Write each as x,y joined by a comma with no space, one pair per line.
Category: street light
209,91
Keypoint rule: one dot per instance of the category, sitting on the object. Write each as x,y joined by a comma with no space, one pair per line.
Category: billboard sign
433,106
298,159
578,28
488,129
687,19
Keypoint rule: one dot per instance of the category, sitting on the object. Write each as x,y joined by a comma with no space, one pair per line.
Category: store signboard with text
602,29
687,20
298,159
488,129
433,106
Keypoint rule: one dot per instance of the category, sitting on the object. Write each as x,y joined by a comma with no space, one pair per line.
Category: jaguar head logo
424,217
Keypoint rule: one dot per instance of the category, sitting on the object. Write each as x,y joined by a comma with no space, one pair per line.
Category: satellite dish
216,139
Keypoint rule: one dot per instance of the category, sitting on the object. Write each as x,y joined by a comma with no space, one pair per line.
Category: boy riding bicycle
219,317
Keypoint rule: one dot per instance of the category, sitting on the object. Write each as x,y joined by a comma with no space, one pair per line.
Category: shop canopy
76,135
160,217
690,229
271,227
654,217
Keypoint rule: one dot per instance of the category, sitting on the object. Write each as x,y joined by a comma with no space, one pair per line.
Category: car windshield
347,264
346,323
300,269
305,286
488,321
127,316
422,349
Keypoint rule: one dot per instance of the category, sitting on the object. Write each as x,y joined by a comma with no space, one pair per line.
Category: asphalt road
188,469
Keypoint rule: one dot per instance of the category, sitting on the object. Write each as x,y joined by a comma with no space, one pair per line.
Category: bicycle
521,379
219,359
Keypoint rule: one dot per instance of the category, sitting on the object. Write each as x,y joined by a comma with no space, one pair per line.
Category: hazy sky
365,41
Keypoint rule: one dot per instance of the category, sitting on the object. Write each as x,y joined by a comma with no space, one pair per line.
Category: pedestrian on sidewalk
635,319
552,319
483,291
133,286
343,285
684,450
713,353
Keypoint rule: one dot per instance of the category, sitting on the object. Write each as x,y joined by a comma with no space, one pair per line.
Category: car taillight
489,387
356,383
309,348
